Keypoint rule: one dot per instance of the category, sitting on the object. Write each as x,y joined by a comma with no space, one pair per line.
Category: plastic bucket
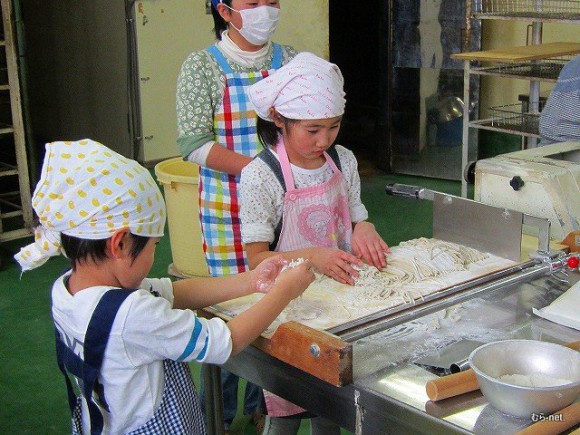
450,133
180,184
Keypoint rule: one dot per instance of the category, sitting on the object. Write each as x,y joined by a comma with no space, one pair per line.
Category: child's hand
367,244
264,275
336,264
295,280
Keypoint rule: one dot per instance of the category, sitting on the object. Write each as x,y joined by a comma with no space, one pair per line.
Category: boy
126,338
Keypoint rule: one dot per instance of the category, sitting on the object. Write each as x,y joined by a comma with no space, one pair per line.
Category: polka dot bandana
307,87
88,191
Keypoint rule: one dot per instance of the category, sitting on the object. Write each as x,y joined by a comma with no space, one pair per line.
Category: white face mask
258,24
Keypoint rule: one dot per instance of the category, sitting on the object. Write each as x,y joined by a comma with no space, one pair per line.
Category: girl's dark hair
269,133
81,250
219,23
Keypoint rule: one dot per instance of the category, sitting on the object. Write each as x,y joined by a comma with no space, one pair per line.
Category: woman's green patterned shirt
200,88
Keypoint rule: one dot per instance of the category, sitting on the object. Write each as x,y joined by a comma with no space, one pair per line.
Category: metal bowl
447,109
526,357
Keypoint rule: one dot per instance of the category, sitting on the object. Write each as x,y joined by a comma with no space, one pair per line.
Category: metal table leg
214,409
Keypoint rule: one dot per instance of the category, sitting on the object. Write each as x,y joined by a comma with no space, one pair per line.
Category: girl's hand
264,275
367,244
336,264
293,281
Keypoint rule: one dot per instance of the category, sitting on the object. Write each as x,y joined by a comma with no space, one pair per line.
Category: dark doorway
358,42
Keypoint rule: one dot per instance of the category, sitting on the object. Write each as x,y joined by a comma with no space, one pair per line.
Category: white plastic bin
180,184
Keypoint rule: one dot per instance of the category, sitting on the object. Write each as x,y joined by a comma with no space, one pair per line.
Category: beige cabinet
108,70
166,32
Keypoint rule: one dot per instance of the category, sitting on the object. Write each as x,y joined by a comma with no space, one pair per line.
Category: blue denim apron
179,411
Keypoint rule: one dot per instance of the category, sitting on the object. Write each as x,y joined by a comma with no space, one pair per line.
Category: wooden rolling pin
462,382
567,418
452,385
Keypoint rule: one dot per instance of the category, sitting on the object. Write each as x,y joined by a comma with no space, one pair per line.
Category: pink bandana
307,87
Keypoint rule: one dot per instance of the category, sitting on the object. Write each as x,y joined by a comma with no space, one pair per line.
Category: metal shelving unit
536,63
509,119
16,215
546,69
528,10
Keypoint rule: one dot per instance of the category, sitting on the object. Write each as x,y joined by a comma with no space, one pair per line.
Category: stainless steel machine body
388,393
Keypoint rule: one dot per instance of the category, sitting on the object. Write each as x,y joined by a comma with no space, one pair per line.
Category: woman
217,130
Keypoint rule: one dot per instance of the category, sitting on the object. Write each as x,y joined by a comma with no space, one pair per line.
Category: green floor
32,391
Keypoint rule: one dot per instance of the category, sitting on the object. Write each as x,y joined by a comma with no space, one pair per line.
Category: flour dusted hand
265,274
296,279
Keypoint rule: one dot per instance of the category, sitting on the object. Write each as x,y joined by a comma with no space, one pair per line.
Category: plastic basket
180,184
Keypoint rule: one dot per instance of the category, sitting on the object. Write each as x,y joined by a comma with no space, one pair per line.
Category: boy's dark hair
81,250
268,132
219,23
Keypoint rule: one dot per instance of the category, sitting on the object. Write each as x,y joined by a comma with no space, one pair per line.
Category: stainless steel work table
388,393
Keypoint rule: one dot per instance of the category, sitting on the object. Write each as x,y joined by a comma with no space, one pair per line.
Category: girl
126,339
300,197
217,130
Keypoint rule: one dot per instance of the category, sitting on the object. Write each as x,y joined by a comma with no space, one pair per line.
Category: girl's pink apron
314,216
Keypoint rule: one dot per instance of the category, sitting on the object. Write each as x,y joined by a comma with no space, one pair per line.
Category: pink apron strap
331,163
286,168
285,165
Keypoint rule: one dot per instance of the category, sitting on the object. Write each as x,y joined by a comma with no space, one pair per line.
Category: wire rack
545,69
554,9
513,117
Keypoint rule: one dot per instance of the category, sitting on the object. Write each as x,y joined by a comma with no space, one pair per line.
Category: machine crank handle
409,191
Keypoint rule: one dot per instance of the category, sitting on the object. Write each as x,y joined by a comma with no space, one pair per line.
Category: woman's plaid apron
235,128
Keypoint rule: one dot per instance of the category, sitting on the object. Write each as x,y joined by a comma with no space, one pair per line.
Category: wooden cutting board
327,304
521,53
318,353
298,336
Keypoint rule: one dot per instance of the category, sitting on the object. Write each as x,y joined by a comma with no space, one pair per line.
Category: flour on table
415,269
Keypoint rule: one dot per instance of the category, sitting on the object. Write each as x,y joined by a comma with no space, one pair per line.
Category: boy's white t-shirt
146,331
